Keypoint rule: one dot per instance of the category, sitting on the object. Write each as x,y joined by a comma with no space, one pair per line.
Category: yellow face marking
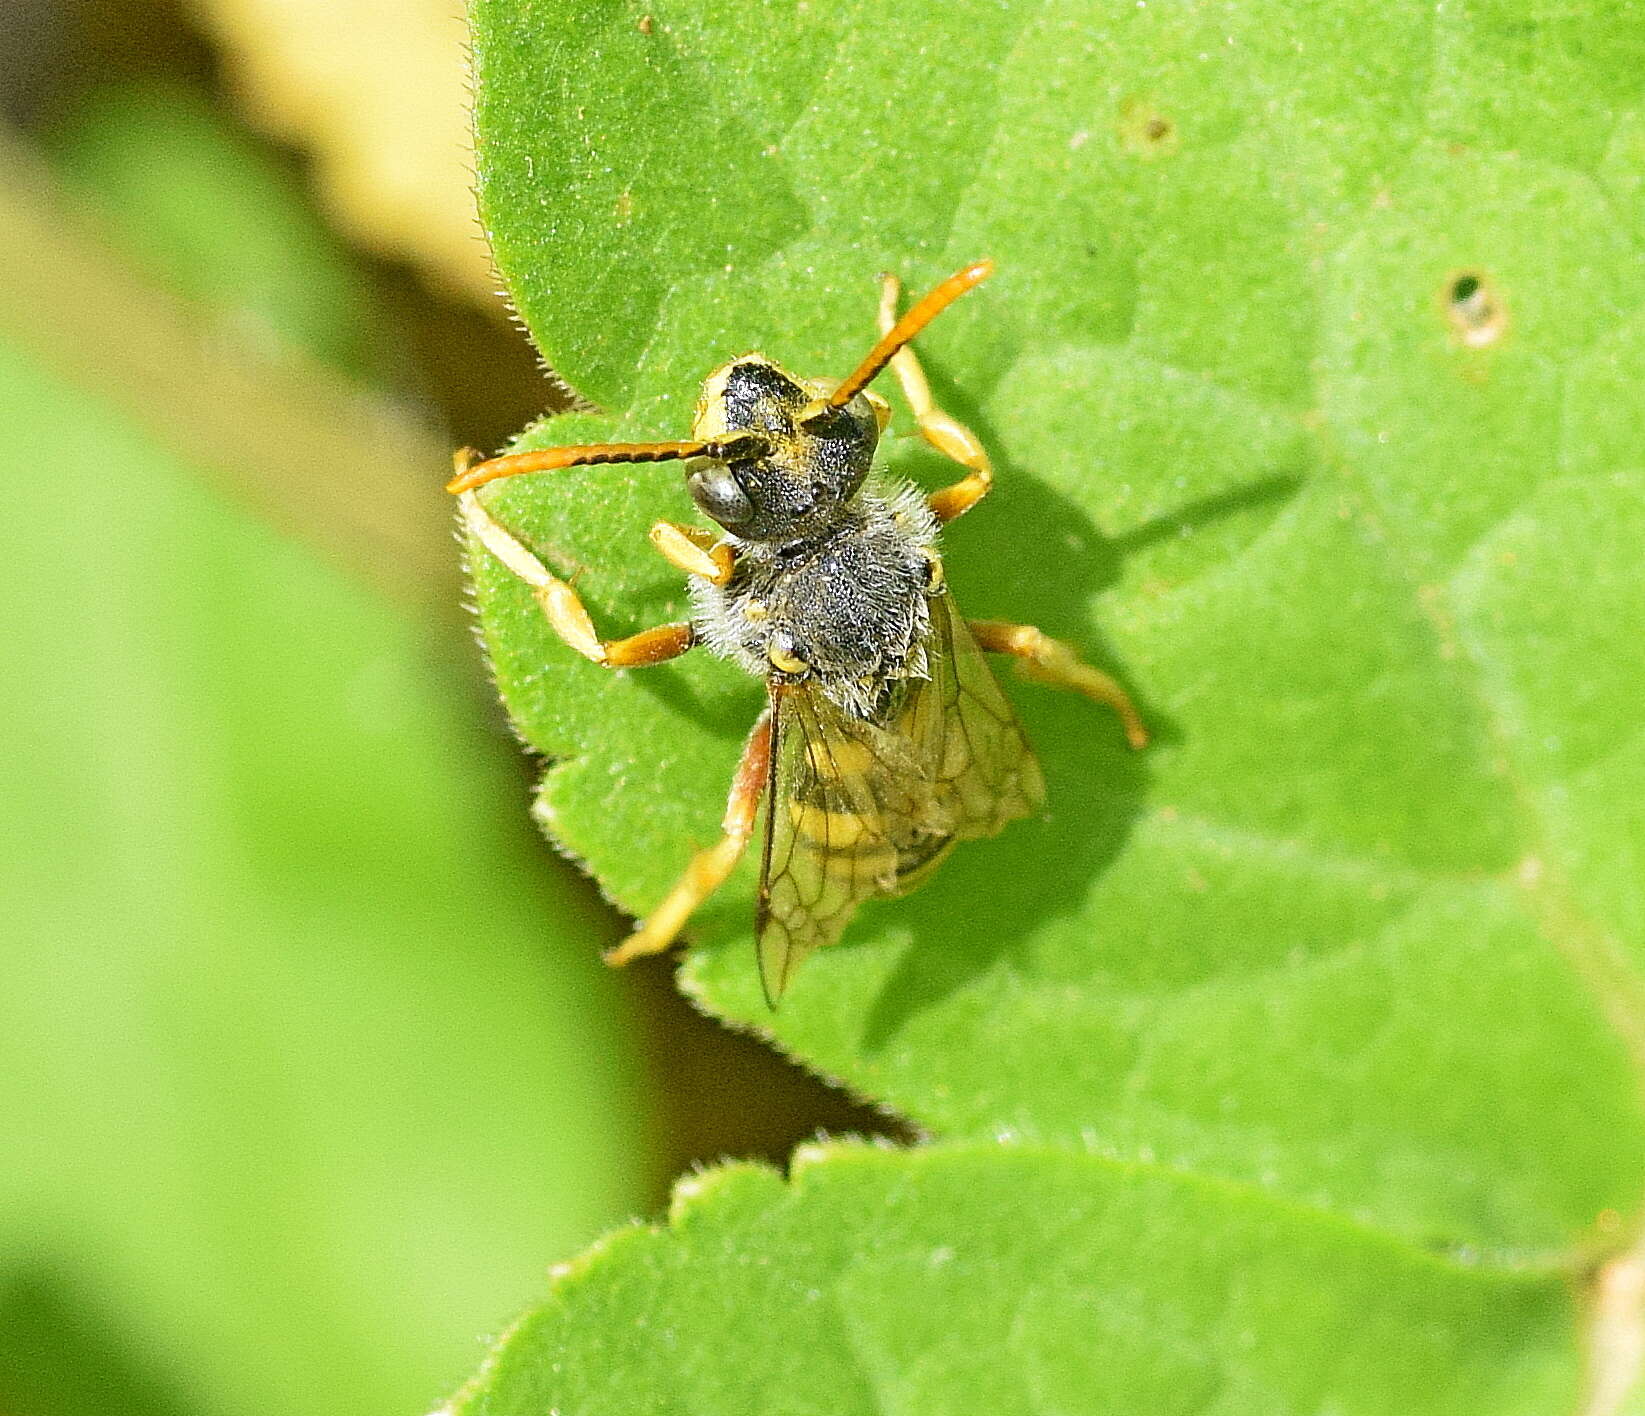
755,610
882,409
710,414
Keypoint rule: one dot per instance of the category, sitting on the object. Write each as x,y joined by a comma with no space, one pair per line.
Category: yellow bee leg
1051,661
944,432
708,869
564,608
694,551
656,645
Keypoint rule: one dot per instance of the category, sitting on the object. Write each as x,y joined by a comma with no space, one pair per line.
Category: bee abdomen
917,860
844,842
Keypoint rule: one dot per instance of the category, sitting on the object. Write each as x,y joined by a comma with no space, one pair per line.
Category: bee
885,739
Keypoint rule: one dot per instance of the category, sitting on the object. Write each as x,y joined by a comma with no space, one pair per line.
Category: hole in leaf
1474,309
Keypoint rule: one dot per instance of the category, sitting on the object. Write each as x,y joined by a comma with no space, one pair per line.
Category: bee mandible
885,739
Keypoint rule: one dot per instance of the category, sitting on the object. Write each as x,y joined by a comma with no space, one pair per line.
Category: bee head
806,459
772,458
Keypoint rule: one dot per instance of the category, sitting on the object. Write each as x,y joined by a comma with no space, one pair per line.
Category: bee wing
843,797
982,771
855,809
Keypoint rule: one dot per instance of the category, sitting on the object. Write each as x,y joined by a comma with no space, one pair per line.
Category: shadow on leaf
1045,561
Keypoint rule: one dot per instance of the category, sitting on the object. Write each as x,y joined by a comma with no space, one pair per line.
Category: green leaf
1363,926
1311,374
209,213
1000,1279
307,1065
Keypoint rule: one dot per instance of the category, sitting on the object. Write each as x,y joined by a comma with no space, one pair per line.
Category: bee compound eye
719,494
784,652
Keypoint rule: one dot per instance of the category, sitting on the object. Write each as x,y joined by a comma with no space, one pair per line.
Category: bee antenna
472,474
918,317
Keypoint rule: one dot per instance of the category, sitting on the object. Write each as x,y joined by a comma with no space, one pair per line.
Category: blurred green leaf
210,213
307,1063
1311,372
1001,1279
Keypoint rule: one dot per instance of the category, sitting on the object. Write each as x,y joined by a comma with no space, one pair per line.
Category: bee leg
562,606
1051,661
694,551
708,869
944,432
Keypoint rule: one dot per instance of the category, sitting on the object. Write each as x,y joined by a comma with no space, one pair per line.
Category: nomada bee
885,739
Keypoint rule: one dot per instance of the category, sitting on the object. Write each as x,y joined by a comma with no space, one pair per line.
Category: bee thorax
847,611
